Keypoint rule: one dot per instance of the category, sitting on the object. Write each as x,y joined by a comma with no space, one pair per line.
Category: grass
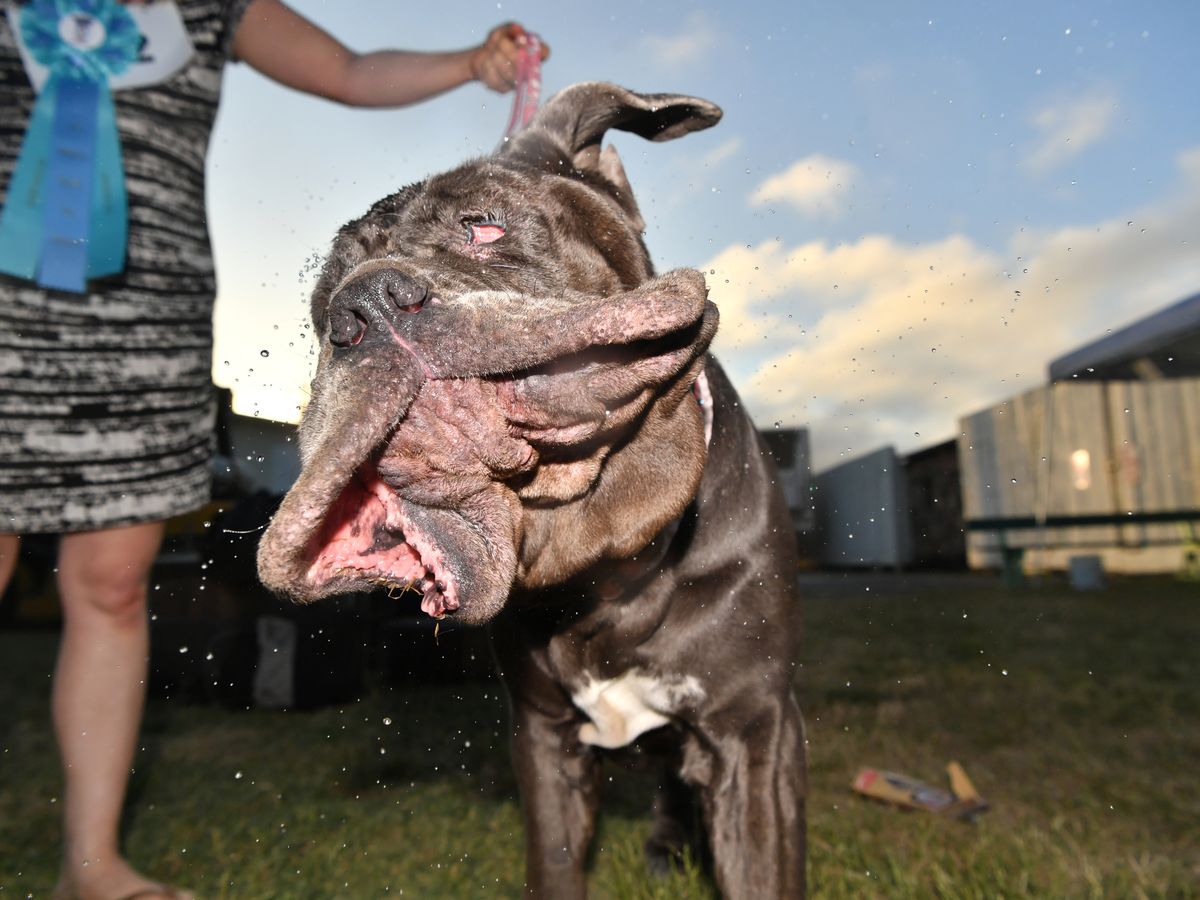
1076,715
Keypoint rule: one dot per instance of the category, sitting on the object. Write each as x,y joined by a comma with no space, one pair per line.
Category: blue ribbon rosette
65,219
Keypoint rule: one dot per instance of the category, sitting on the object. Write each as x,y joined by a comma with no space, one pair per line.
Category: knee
113,593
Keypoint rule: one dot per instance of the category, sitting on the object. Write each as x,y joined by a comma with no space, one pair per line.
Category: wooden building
1105,460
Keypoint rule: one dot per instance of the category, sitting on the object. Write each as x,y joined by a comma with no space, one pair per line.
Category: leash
528,88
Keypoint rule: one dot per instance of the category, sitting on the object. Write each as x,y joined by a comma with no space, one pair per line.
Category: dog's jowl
515,416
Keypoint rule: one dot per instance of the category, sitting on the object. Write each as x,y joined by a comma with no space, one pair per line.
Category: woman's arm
290,49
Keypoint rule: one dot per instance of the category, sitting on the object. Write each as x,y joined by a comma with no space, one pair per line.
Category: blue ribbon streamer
21,219
109,205
66,211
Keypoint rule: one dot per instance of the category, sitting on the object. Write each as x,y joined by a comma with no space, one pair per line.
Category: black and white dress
106,399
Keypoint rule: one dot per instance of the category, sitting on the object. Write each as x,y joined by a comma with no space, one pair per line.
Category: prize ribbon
65,219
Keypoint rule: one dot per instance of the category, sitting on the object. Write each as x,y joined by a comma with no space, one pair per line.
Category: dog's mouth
367,538
404,494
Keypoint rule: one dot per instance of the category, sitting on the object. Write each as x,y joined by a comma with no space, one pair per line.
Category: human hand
494,62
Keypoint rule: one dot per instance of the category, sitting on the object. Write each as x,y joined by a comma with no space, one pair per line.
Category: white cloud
703,167
1069,127
689,46
720,153
881,341
815,184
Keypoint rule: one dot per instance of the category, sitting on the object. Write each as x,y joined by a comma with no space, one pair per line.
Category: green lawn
1077,716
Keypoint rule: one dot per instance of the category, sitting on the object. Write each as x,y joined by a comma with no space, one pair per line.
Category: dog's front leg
559,783
755,807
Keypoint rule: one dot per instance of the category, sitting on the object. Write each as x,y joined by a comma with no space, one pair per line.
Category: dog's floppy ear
567,131
579,115
575,119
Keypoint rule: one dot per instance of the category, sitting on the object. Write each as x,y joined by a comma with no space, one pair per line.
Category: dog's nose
368,304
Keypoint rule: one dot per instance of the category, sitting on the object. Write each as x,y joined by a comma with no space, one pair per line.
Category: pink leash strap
528,88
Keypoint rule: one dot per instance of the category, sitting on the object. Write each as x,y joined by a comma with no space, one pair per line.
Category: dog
514,416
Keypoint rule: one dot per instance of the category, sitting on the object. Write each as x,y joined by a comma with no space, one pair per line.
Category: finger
510,52
504,34
522,41
495,80
502,69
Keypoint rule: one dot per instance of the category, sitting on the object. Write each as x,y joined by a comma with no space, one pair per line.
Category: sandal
159,892
153,892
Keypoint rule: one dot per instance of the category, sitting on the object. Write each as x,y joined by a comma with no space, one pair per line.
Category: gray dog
515,417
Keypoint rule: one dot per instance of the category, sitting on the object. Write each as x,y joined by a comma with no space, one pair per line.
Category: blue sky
908,210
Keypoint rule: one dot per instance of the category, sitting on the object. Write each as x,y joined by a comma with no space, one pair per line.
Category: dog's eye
483,232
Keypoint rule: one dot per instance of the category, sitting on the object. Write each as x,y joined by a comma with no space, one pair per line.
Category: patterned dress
106,399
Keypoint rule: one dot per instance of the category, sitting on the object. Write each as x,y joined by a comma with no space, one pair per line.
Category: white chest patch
625,707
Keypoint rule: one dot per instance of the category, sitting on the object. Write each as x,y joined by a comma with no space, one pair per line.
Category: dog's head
503,392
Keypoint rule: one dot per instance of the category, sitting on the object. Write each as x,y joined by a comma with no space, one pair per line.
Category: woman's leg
10,546
99,692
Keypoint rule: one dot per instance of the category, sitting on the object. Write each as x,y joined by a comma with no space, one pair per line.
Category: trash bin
1086,573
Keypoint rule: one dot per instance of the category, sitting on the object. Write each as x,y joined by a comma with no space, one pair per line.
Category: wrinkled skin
505,419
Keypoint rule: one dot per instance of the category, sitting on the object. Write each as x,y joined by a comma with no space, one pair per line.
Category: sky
907,211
